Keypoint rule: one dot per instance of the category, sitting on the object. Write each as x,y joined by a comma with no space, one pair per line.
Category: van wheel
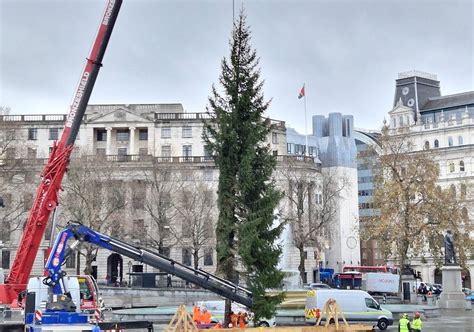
263,324
382,324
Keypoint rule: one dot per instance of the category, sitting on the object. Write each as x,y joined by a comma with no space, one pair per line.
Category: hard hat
405,315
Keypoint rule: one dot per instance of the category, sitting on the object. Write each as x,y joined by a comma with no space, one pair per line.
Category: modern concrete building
332,141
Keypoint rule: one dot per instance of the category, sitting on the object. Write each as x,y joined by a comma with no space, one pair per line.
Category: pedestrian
404,324
168,281
416,323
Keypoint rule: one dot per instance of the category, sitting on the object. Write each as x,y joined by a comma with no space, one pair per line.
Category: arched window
436,143
450,141
427,145
453,190
451,167
463,190
461,166
460,140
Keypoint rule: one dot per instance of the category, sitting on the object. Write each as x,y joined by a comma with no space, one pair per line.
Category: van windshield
370,303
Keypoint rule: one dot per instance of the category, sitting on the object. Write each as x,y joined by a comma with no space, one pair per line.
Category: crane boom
47,194
198,277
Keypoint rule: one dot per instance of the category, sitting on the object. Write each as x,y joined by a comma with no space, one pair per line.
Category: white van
356,305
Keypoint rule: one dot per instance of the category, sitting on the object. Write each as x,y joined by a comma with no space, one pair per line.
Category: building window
5,259
123,135
436,143
166,150
450,141
122,151
460,140
207,153
400,119
275,138
463,190
289,148
166,132
143,151
427,145
32,134
101,135
187,151
208,175
31,153
461,166
394,121
138,195
451,167
71,261
143,134
165,251
208,257
186,256
53,134
27,201
187,132
100,152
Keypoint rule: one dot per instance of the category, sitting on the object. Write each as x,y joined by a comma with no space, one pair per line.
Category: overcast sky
169,51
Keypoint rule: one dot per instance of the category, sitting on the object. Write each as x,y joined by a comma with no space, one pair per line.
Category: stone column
109,141
132,140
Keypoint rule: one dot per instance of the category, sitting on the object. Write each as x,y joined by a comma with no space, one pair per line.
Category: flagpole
305,122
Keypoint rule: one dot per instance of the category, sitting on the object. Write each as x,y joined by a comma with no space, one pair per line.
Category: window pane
101,135
123,135
5,259
143,135
166,132
187,132
32,134
53,133
166,150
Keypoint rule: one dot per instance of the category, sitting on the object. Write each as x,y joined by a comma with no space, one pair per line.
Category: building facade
442,124
332,141
153,182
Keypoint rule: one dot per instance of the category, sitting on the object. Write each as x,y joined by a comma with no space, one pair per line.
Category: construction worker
241,319
206,316
196,314
234,319
404,324
416,323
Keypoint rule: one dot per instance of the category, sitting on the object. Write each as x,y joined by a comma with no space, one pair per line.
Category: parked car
469,294
317,285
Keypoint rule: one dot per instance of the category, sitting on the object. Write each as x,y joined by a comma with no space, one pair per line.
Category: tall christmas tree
236,135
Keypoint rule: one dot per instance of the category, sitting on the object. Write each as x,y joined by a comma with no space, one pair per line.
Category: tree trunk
196,258
301,266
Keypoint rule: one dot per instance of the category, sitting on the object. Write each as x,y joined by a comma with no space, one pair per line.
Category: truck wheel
263,324
382,324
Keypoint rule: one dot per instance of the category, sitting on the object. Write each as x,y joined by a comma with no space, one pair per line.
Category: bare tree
195,209
12,178
312,202
95,196
414,210
161,182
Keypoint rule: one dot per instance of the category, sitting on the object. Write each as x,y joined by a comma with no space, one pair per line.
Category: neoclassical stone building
442,124
136,149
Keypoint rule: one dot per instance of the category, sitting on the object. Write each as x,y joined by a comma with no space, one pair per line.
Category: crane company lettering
77,99
108,12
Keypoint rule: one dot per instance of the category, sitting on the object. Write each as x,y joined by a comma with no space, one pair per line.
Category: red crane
47,194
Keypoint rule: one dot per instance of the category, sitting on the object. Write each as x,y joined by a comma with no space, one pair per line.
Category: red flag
301,95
